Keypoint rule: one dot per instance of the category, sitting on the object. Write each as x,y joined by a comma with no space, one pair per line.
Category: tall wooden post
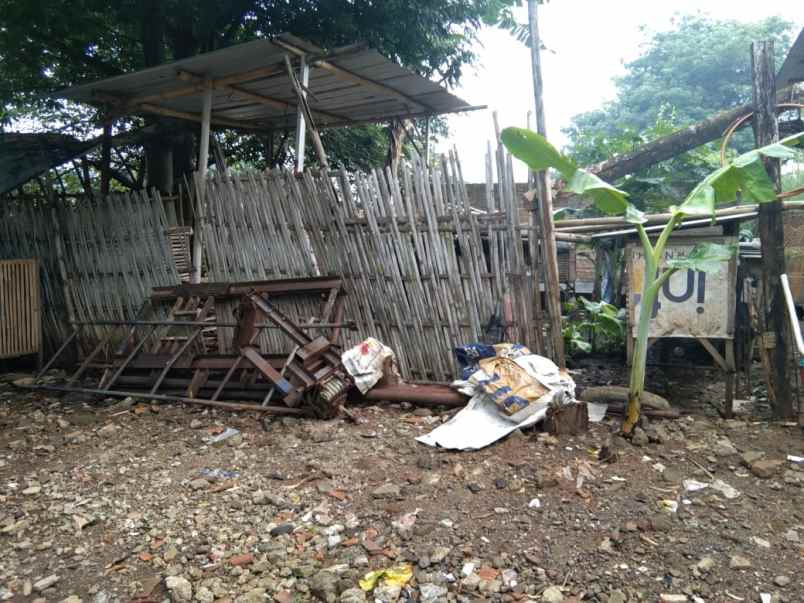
201,175
553,290
776,337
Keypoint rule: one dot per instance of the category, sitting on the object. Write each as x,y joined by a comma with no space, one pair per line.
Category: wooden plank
312,352
270,373
20,333
721,362
730,379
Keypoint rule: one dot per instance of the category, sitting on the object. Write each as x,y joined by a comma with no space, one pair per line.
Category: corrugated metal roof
792,70
251,87
26,156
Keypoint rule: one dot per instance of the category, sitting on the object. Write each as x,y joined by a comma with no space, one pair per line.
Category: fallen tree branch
606,394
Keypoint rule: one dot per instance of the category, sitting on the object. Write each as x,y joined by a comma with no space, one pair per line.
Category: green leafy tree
745,175
698,67
46,45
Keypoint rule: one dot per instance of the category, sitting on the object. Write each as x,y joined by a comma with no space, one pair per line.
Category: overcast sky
589,41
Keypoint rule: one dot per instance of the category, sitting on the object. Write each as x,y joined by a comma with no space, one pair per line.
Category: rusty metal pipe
424,395
278,410
350,324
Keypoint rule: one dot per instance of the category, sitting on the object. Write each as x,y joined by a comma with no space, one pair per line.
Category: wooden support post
553,291
771,233
106,157
203,161
307,118
731,369
427,140
301,134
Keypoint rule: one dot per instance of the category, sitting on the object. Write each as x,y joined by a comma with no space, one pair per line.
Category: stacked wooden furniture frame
173,350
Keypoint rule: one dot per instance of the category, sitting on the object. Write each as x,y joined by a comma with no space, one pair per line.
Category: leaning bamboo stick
597,224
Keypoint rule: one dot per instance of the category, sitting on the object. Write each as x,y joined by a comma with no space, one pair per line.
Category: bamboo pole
602,224
305,116
553,291
203,161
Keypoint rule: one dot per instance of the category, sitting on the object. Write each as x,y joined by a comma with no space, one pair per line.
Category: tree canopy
698,67
46,45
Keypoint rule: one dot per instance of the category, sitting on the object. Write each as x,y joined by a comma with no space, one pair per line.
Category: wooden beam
191,90
262,99
253,74
201,174
771,232
197,85
221,121
674,144
345,74
716,356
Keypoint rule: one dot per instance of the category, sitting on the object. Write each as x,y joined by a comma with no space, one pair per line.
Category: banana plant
600,322
745,175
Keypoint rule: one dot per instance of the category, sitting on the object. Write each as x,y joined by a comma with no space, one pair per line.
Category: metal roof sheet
792,70
26,156
252,90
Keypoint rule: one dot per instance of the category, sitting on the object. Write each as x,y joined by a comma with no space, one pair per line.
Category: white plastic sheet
481,423
365,362
477,425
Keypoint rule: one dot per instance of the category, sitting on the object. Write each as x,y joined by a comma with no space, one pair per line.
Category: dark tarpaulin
26,156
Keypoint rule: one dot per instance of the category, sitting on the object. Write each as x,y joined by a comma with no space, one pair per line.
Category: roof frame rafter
353,77
263,99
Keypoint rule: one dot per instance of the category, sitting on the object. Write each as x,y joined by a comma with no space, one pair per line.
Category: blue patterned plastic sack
470,354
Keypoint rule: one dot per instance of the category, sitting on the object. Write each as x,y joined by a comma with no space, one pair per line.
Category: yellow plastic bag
398,575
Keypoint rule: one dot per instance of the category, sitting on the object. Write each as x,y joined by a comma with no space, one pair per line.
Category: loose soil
109,501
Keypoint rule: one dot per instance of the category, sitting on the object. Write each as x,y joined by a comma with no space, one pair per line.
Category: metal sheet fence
425,272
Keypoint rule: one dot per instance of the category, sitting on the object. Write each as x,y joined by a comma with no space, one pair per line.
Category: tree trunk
771,234
396,145
158,154
673,144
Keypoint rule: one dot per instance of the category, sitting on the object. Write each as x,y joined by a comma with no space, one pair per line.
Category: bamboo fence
425,272
99,258
26,231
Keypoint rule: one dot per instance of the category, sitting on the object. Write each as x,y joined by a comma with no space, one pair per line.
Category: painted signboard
691,303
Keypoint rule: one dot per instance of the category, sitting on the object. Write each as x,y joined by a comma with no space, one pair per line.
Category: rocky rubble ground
116,501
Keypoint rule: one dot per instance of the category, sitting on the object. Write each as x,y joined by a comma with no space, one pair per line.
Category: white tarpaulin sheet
481,423
477,425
